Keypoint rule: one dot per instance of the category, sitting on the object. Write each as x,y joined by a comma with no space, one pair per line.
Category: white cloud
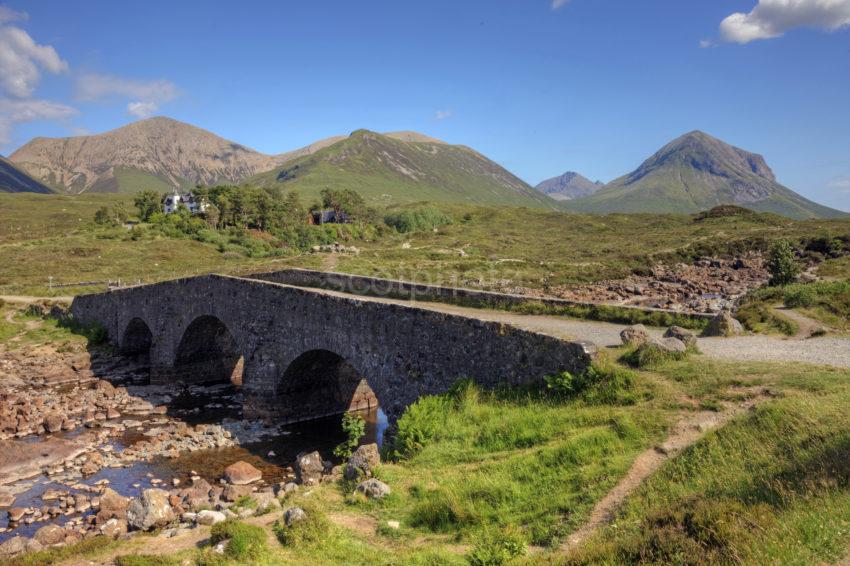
10,15
442,114
772,18
145,96
706,43
142,109
15,111
91,87
841,183
558,3
21,61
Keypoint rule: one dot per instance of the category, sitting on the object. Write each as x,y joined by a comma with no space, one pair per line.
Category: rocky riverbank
65,430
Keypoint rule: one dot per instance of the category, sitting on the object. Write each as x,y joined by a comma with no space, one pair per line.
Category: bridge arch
137,338
321,382
208,353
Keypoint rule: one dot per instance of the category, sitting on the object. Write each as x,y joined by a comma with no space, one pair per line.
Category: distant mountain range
692,173
568,186
13,180
161,154
696,172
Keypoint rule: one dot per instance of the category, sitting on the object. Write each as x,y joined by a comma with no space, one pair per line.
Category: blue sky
541,87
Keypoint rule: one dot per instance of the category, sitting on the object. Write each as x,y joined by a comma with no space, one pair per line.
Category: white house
194,204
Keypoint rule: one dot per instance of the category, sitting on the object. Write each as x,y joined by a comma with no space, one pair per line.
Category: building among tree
196,205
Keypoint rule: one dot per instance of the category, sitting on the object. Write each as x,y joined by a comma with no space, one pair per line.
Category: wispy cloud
17,111
442,114
9,15
558,3
841,183
145,97
706,43
772,18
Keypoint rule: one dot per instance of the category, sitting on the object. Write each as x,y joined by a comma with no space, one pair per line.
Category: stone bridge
304,353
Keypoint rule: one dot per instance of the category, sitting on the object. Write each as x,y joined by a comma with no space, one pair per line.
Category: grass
825,301
771,487
502,247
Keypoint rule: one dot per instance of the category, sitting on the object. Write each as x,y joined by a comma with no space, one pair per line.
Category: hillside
389,170
155,153
697,172
13,180
568,186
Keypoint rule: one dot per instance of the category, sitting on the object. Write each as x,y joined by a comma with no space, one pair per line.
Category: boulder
362,462
114,528
635,335
293,515
16,514
207,517
684,335
198,495
53,422
373,489
112,506
50,535
150,510
13,546
723,325
242,473
309,468
666,346
105,388
233,492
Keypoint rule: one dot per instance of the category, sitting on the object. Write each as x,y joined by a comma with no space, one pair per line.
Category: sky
540,86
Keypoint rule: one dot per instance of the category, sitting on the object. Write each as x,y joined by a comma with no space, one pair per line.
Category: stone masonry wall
404,352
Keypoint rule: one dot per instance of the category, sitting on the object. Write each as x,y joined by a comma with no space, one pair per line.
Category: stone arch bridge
305,353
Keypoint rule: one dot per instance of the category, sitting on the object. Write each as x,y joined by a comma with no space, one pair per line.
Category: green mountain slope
697,172
13,180
393,170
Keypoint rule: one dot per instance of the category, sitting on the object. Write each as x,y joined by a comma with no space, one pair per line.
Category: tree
147,202
781,263
119,212
103,217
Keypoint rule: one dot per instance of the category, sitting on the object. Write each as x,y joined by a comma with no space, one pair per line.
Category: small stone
50,535
373,489
394,525
293,515
207,517
686,336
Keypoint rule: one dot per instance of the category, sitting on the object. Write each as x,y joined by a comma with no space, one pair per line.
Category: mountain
158,153
697,172
568,186
13,180
388,169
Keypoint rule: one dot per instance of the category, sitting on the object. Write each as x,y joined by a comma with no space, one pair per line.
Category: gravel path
825,350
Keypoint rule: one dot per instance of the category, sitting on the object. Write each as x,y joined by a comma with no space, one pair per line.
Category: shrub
354,428
599,384
247,542
495,548
314,528
419,424
417,220
649,355
782,264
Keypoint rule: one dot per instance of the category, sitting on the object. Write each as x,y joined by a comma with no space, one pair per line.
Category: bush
314,528
247,542
417,220
782,264
495,548
354,428
600,384
649,355
419,424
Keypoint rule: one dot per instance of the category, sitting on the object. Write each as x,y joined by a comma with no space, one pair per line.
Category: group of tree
256,208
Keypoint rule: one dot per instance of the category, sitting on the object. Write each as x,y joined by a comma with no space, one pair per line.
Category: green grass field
52,236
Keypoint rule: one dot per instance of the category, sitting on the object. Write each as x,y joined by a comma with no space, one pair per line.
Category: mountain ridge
696,172
568,186
14,180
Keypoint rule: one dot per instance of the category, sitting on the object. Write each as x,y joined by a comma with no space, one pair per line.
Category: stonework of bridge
305,353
